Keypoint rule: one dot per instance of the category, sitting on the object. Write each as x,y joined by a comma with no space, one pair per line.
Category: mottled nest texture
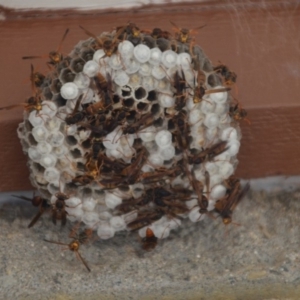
134,130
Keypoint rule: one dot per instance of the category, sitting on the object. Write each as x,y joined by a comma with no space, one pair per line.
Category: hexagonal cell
124,188
25,145
70,140
155,108
86,192
152,95
143,107
158,122
207,67
87,54
162,44
80,166
76,153
77,65
53,124
149,41
116,99
27,125
137,143
135,80
64,64
59,100
98,193
31,140
168,162
55,86
131,117
67,175
128,102
140,93
66,75
40,133
47,82
163,85
134,40
47,93
52,174
93,44
56,139
171,125
21,130
86,144
53,188
214,80
126,91
71,188
39,179
38,168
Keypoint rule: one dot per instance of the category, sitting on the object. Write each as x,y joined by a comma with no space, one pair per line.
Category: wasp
144,122
182,131
198,188
36,78
111,165
74,245
59,209
145,218
129,29
102,84
83,179
237,113
111,183
104,87
99,130
157,33
208,154
225,206
131,204
184,35
55,56
180,86
149,242
229,77
95,158
152,177
132,172
76,116
200,91
32,103
92,172
108,44
96,108
39,202
167,202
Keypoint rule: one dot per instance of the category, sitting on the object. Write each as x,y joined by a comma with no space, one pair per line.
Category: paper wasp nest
137,130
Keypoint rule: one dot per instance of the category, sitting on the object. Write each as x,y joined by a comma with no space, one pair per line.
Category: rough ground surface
257,260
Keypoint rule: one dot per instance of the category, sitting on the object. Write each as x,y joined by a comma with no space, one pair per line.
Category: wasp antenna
63,38
22,197
83,261
200,27
30,57
89,33
172,23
